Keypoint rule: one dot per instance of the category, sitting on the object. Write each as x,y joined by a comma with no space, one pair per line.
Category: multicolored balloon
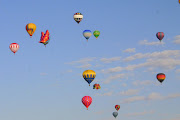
87,34
161,77
115,114
14,47
78,17
31,28
117,107
87,100
89,76
44,38
160,35
96,33
96,86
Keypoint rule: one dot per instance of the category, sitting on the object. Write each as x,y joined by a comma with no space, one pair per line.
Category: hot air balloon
160,35
117,107
87,100
31,28
96,86
161,77
14,47
115,114
87,34
78,17
89,75
44,38
179,1
96,33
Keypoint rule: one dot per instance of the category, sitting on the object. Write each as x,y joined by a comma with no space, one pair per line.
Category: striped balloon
87,34
14,47
161,77
78,17
160,35
87,100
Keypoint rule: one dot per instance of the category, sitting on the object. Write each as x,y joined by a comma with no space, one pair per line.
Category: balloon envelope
44,38
115,114
31,28
87,34
117,107
89,75
161,77
160,35
87,100
96,33
78,17
14,47
96,86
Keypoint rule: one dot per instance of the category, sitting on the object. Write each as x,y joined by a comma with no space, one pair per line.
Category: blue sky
46,83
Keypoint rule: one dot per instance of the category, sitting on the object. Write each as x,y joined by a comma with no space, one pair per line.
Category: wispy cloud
130,50
110,60
167,64
43,74
85,66
130,92
139,113
83,60
177,39
145,42
152,96
104,94
145,82
114,77
155,55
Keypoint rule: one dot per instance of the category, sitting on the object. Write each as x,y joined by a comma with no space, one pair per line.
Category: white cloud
85,66
155,55
166,64
130,92
83,60
110,60
152,96
145,82
177,39
104,94
145,42
139,113
124,85
43,74
130,50
111,78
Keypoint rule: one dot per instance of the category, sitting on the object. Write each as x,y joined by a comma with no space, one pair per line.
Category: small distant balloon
31,28
14,47
96,34
78,17
117,107
96,86
87,34
160,35
115,114
87,100
161,77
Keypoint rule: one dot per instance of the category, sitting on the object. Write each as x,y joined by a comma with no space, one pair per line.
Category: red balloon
14,47
117,107
87,100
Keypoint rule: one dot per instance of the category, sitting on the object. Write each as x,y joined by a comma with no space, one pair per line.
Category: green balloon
96,33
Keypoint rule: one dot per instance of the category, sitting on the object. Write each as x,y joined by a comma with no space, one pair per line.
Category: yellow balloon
31,28
89,76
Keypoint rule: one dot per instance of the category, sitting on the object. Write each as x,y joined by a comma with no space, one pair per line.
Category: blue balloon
87,34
